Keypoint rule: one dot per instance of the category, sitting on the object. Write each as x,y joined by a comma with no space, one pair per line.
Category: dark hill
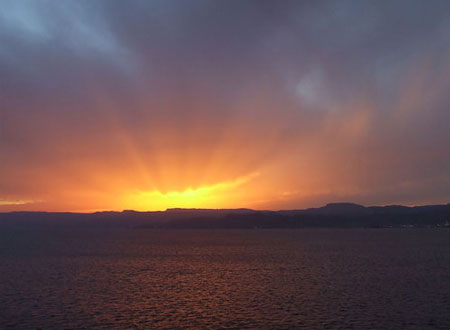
336,215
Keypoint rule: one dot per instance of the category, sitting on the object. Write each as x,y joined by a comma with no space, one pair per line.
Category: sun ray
212,196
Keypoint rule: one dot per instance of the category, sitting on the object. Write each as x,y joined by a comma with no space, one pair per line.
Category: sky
148,105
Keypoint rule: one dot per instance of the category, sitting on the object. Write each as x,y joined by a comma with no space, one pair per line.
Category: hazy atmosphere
148,105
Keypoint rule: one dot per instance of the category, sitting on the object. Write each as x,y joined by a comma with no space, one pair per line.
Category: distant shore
335,215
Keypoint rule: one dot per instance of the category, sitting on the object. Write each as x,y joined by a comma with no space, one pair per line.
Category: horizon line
221,209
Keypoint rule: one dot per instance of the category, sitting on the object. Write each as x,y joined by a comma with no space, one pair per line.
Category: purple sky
263,104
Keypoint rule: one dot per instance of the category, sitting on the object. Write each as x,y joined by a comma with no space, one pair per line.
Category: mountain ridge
342,214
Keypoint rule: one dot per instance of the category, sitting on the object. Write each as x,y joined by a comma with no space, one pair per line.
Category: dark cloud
351,93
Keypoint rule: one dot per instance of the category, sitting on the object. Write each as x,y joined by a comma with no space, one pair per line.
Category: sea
98,278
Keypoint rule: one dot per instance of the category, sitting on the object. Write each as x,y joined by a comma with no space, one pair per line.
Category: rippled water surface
282,279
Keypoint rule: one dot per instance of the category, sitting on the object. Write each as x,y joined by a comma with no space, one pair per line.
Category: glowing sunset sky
111,105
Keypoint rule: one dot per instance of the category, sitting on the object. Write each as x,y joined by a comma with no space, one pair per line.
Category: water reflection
361,279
